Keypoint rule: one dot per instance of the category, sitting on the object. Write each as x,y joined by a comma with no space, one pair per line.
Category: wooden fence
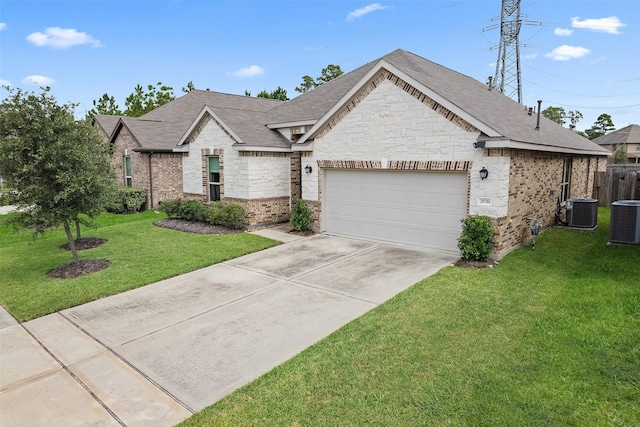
617,183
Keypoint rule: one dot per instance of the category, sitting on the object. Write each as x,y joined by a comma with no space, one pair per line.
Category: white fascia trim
244,147
207,110
536,147
291,124
307,146
383,64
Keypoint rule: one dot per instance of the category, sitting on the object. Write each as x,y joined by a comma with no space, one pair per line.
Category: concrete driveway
155,355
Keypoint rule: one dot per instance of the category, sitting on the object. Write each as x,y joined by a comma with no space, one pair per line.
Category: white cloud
38,80
565,53
3,26
62,38
609,25
530,56
5,82
250,71
363,11
562,32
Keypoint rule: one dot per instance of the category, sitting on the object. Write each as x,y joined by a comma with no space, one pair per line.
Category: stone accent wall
377,80
265,211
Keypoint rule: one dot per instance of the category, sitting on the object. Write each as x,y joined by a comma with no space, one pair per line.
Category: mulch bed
85,243
77,269
194,227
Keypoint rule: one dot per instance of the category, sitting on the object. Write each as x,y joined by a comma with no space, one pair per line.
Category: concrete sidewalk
155,355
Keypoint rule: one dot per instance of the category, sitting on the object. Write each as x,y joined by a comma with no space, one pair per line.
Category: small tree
620,156
300,216
476,240
58,165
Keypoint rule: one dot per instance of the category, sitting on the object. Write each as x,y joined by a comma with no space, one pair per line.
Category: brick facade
166,173
534,187
272,210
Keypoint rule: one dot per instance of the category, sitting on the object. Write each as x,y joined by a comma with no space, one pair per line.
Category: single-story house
398,150
627,139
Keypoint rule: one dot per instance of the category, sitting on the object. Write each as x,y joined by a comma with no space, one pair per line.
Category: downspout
150,182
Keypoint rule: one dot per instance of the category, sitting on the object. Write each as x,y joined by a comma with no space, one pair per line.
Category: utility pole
507,78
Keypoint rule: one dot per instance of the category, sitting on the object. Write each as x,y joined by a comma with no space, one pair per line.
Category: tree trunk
72,243
77,230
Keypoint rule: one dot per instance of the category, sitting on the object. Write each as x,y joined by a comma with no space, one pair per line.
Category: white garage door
413,208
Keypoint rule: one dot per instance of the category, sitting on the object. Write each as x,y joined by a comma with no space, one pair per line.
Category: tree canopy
328,73
602,126
278,93
58,165
141,102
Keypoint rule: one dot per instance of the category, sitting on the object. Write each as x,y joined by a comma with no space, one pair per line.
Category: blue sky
579,54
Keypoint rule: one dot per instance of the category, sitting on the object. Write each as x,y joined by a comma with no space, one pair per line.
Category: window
127,171
214,178
566,180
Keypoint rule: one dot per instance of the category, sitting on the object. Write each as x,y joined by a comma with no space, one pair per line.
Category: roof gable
627,135
502,121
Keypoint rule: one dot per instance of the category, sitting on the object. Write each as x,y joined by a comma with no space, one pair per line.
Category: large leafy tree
328,73
58,165
602,126
556,114
560,116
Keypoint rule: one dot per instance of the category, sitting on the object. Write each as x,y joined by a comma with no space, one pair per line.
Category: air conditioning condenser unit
625,222
582,212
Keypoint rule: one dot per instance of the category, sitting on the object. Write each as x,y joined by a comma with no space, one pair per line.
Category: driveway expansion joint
126,362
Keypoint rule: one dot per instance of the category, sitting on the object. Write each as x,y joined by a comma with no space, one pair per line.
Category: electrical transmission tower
507,77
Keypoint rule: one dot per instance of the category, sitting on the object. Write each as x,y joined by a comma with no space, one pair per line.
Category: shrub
229,215
127,200
195,210
300,216
171,207
476,239
232,216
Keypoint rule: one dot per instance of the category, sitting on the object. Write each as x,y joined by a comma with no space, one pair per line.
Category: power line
583,81
577,94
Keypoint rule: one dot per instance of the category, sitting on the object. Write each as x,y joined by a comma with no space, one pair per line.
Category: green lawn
549,337
139,252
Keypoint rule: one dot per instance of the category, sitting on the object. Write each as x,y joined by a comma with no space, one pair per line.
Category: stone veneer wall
535,179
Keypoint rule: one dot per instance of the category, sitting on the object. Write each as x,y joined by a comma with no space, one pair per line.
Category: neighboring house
627,139
391,151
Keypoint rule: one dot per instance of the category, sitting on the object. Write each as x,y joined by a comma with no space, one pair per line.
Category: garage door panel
416,208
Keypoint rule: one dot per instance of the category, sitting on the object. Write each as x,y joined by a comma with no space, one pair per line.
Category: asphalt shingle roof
627,135
248,117
498,112
106,122
163,127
